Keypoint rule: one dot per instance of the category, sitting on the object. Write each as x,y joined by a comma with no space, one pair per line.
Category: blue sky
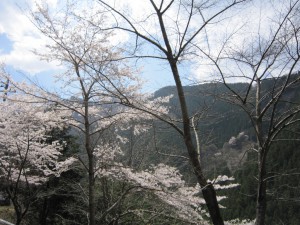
5,44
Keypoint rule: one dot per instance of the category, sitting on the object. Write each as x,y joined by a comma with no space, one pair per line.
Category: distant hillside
227,138
221,120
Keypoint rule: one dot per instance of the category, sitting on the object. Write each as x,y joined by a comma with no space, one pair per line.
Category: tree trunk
18,215
91,192
210,197
261,200
18,221
208,190
91,172
44,211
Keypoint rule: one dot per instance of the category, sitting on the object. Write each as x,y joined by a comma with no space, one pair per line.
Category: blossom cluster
28,153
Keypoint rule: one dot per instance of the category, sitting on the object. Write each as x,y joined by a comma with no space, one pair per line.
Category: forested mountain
224,119
227,140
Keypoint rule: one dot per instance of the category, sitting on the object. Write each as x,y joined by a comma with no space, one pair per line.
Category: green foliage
7,213
222,121
284,182
241,203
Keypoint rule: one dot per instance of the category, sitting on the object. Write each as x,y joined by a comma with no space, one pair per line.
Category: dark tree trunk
261,199
44,212
18,221
91,168
91,183
91,193
18,212
208,190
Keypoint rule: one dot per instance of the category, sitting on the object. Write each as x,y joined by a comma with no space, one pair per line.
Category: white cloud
1,29
242,26
24,37
22,57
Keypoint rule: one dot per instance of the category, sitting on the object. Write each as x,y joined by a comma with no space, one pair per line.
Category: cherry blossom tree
165,182
95,83
27,159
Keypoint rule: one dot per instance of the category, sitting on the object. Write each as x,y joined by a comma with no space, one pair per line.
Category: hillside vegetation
227,142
